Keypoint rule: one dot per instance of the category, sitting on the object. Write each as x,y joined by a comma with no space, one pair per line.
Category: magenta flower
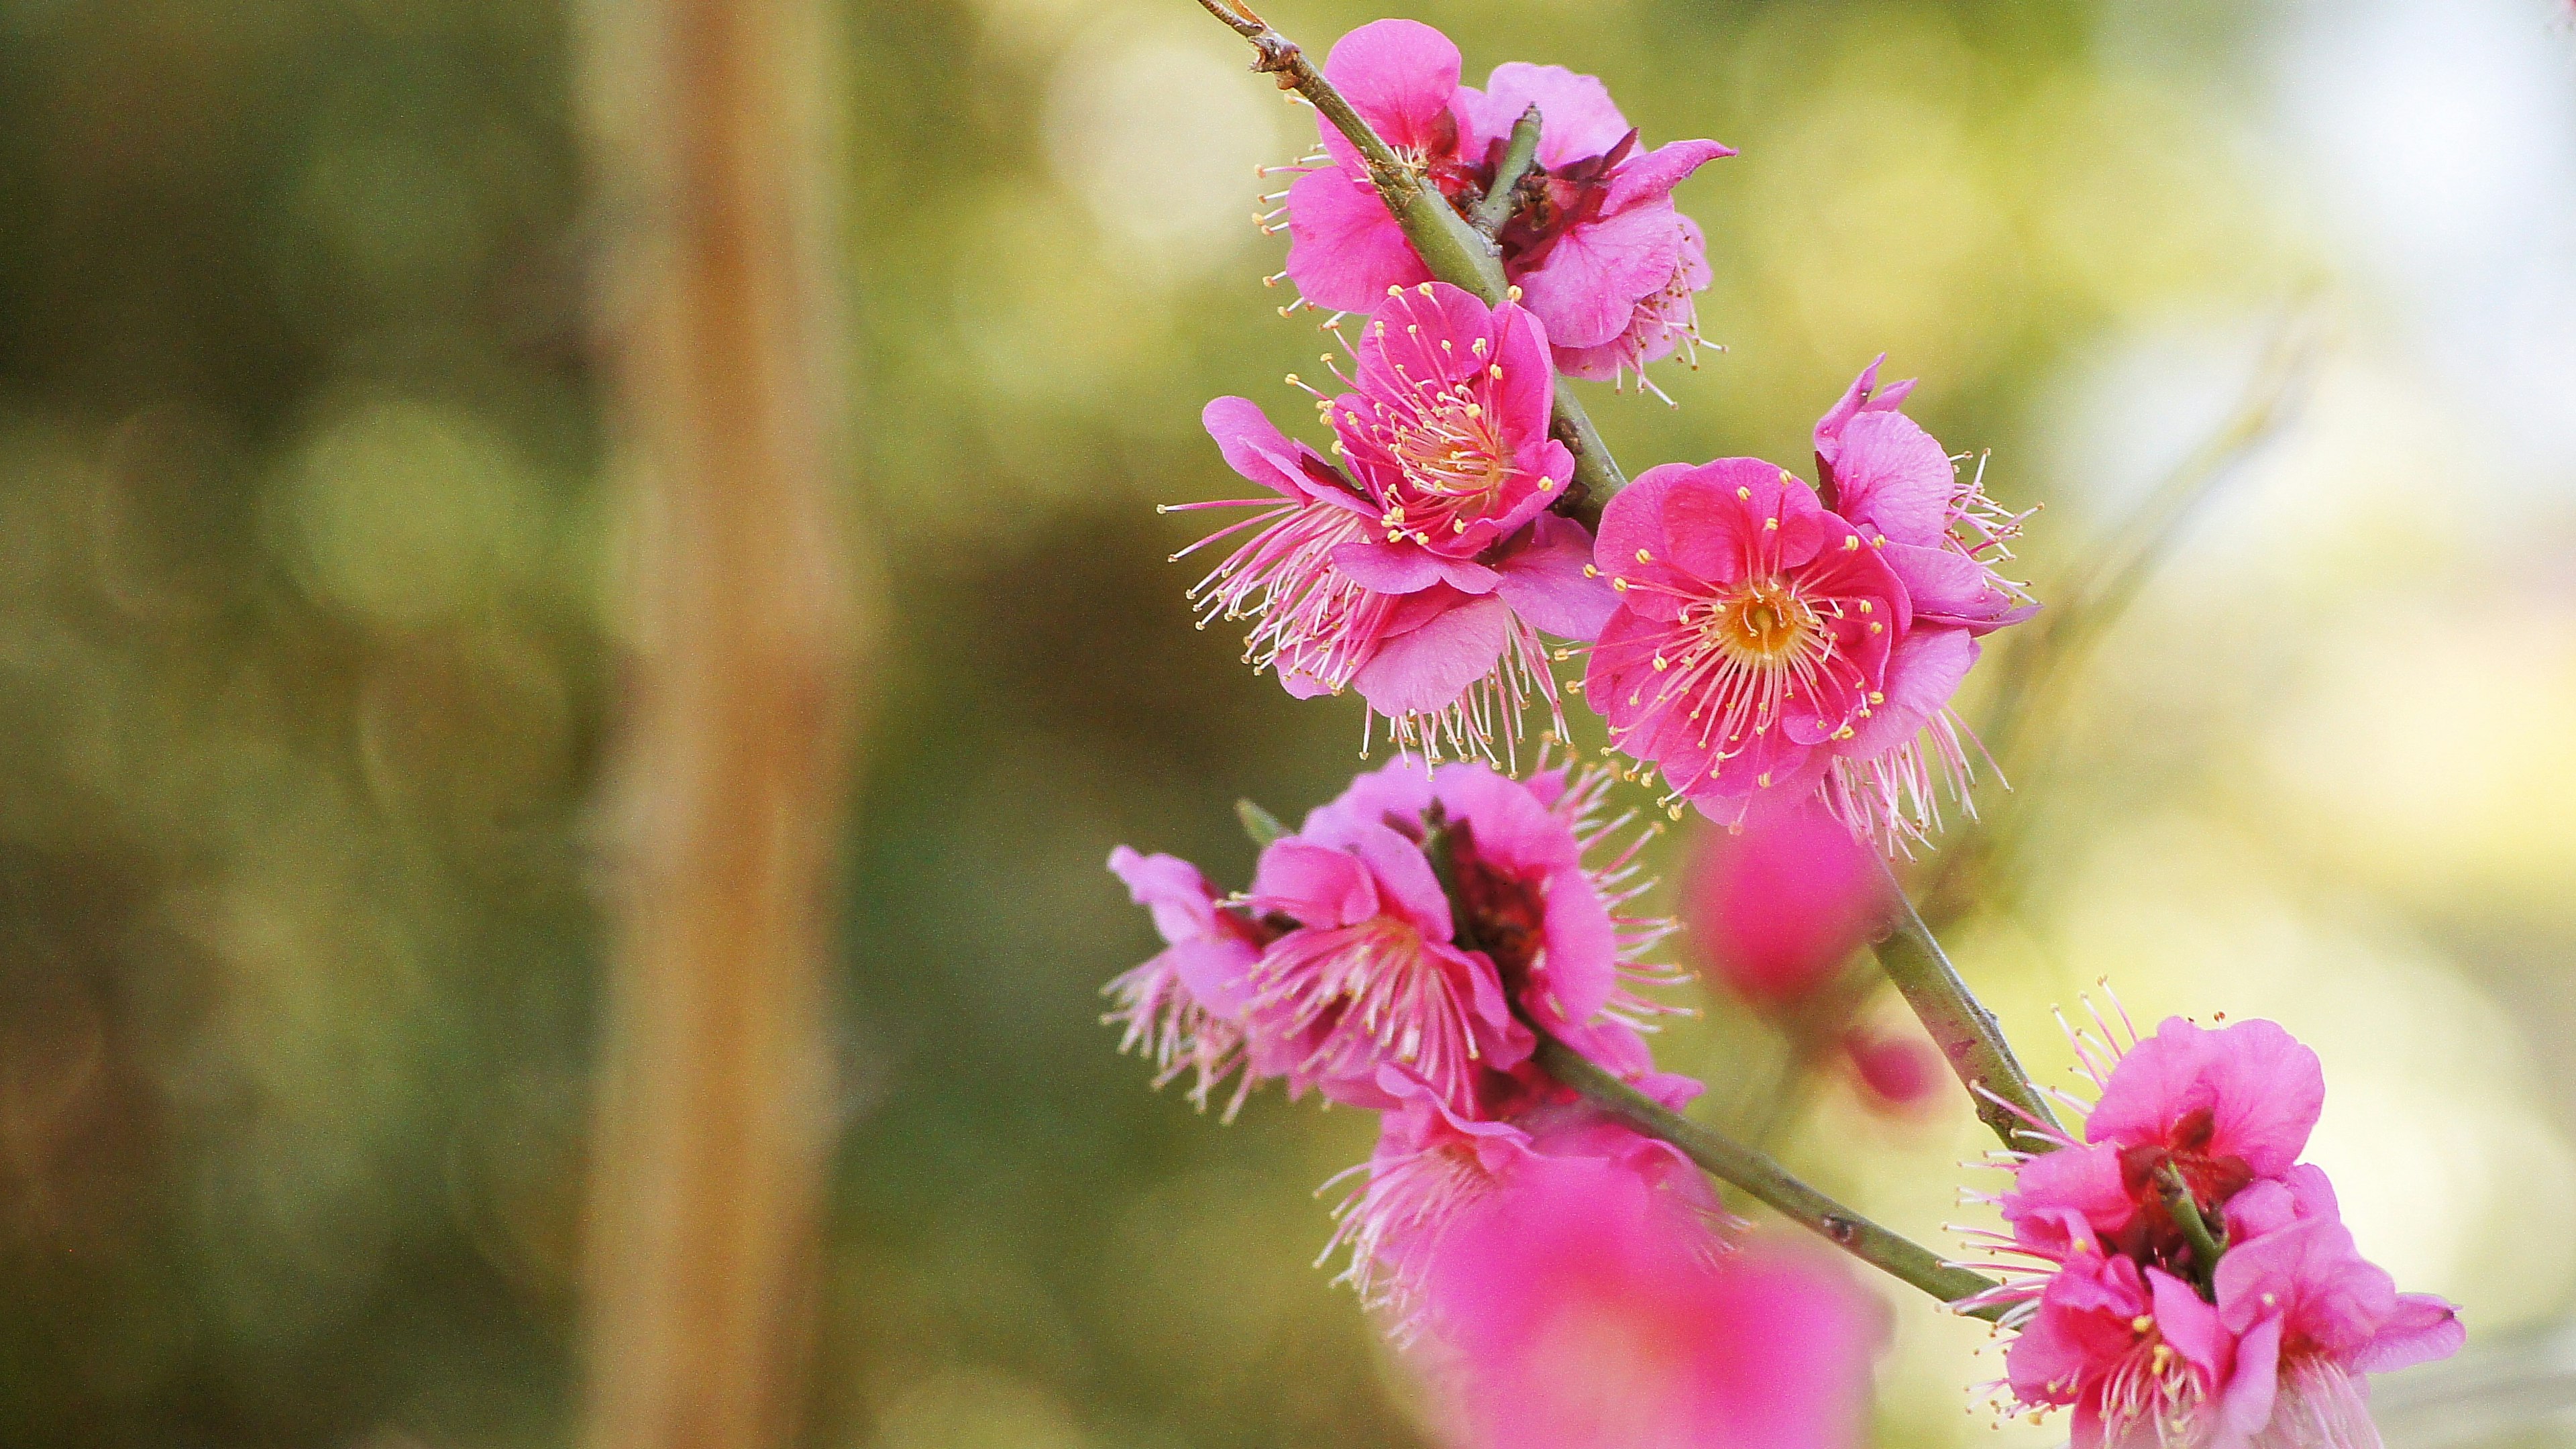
1583,1312
1527,900
1594,241
1772,643
1370,978
2118,1312
1777,907
1185,1007
1423,577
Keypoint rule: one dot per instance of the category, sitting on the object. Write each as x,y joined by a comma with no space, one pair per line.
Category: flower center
1763,624
1452,452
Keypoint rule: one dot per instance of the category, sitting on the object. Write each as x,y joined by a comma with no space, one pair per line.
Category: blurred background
309,625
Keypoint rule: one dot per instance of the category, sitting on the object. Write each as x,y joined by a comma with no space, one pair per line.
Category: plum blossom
1775,642
1423,575
1606,262
2177,1277
1584,1312
1185,1006
1428,921
1777,907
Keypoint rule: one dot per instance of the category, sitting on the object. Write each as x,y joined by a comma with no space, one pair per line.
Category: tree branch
1453,249
1731,1161
1967,1033
1521,154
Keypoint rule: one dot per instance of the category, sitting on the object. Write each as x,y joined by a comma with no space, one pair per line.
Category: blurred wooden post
713,306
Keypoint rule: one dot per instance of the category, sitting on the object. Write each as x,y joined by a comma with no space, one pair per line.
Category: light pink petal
1406,885
2190,1323
1402,77
1425,669
1387,568
1855,400
2083,1180
1543,581
1577,120
1344,250
1182,902
1252,445
1586,288
1527,388
1314,884
1923,672
2254,1382
1893,477
1217,972
2422,1329
2263,1090
1644,180
1581,965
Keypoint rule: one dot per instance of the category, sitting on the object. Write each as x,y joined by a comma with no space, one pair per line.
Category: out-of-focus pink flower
1901,1072
1185,1007
1772,643
1593,238
1582,1312
1435,1167
1422,578
1778,906
2118,1311
1371,978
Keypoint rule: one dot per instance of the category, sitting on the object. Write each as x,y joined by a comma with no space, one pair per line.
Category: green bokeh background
309,635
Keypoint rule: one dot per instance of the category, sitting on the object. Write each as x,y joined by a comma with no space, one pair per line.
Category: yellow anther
1590,572
1511,294
1644,557
1424,289
1744,493
1867,607
1878,628
1851,541
1497,371
1770,524
1546,484
1763,780
1394,291
1619,584
2141,1323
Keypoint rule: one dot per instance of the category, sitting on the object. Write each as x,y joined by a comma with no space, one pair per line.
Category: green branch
1969,1036
1730,1161
1519,156
1451,247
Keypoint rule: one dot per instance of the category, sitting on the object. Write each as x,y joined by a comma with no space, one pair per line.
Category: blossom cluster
1779,652
2177,1276
1759,639
1405,951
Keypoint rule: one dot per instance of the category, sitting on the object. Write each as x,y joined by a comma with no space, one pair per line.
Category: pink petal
1426,668
1586,288
1543,580
1315,884
2422,1329
1182,902
1252,445
1892,476
1923,672
1644,180
1401,76
1855,400
1406,885
1577,120
1344,250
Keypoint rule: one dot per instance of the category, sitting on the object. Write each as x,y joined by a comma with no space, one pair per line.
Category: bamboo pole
739,709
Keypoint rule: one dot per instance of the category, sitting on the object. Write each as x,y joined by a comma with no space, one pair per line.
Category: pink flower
1435,1167
1423,578
1900,1072
1754,637
1584,1313
1185,1006
1596,247
1593,240
1780,905
1526,898
1370,978
2117,1310
1772,643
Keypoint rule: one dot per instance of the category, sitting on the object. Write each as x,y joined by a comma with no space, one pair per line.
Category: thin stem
1453,250
1731,1161
1519,156
2205,1244
1968,1034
